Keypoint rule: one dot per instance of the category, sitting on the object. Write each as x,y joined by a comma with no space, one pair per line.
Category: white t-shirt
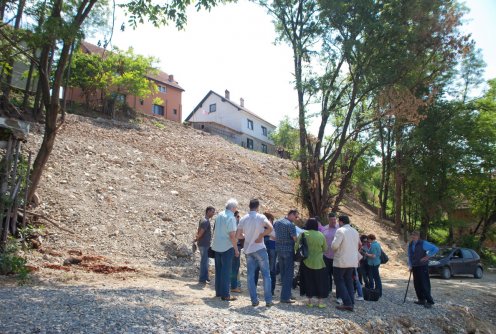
253,224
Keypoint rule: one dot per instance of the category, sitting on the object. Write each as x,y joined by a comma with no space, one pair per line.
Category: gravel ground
144,302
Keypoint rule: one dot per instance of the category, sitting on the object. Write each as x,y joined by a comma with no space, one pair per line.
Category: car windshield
443,252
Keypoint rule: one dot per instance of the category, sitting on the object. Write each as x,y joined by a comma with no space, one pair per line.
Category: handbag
211,253
302,251
384,257
371,295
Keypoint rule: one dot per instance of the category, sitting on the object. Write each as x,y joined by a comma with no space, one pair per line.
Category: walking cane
406,292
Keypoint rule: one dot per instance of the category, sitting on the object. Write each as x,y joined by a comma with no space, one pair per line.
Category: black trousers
422,284
328,262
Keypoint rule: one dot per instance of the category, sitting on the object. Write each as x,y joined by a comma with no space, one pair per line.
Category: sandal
321,306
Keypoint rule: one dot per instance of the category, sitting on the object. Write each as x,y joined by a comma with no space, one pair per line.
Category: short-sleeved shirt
224,224
207,235
253,224
285,231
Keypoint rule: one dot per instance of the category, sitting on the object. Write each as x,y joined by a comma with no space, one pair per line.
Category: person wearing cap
329,234
419,252
345,246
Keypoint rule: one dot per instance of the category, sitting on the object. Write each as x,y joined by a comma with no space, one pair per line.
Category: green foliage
11,263
115,74
286,136
159,125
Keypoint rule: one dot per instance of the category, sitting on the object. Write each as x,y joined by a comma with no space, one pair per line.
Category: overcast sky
232,47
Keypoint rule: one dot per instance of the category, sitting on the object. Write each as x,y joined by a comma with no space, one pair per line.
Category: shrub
11,263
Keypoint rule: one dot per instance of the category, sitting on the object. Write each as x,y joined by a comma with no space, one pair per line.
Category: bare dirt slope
121,203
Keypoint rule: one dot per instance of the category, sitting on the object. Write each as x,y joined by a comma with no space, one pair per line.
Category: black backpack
302,251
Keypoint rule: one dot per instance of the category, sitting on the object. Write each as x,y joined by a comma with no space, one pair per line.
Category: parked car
456,261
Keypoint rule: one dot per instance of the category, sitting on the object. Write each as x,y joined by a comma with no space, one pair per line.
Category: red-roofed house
168,90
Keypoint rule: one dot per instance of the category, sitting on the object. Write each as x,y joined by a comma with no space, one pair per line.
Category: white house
219,115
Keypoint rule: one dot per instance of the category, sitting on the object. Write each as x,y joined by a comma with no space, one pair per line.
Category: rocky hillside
135,192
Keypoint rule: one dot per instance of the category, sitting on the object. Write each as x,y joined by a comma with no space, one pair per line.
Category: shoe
208,281
321,306
255,303
344,308
269,304
237,290
339,301
428,305
229,299
292,298
359,298
420,302
288,301
309,305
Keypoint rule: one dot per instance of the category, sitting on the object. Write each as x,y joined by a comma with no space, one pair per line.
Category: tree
285,137
360,48
112,74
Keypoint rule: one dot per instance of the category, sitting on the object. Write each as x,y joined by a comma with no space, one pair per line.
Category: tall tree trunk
398,179
27,90
8,78
50,93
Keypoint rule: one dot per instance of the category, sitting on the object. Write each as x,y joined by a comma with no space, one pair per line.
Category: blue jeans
235,282
273,267
343,278
223,267
258,259
203,263
375,279
286,266
358,284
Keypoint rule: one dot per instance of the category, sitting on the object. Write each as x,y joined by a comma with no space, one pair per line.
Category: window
264,148
158,110
250,124
174,111
249,143
467,254
212,108
119,97
162,89
142,101
264,131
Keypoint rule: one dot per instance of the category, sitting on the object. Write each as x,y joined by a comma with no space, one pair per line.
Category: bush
11,263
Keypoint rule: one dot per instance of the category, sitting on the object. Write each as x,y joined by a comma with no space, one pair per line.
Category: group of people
336,254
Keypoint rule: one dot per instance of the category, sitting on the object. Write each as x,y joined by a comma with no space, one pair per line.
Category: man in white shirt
345,246
254,227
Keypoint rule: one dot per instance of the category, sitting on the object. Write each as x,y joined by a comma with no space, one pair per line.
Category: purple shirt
329,234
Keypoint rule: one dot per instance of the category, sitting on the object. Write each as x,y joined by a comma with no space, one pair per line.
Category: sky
233,47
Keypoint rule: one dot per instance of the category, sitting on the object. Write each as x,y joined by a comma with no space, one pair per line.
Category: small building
219,115
169,91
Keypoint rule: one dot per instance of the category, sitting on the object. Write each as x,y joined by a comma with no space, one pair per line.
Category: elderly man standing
419,252
345,246
329,233
225,246
255,227
285,232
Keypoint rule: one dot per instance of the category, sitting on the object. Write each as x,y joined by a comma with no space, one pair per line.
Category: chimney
242,102
227,95
171,78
